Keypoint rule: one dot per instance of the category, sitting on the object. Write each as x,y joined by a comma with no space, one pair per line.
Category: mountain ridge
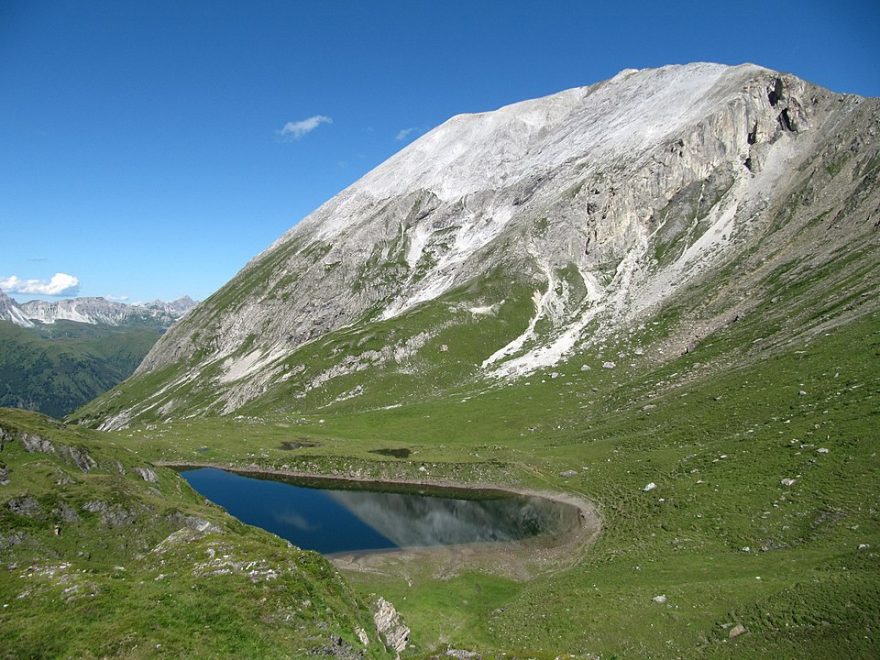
565,221
93,310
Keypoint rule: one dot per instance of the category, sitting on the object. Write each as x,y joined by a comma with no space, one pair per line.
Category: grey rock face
66,513
390,626
26,506
146,474
36,444
7,540
112,515
194,523
78,457
11,311
606,201
5,437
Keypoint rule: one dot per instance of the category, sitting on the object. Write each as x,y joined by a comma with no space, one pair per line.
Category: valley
54,357
655,297
722,536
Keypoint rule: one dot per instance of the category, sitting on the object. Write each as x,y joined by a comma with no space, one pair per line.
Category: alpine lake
353,522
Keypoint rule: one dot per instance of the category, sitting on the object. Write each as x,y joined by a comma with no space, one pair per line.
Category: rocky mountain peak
561,219
10,311
93,310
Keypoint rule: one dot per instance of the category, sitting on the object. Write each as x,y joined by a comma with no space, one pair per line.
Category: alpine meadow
623,341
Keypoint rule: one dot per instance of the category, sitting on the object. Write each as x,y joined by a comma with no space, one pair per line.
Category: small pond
338,516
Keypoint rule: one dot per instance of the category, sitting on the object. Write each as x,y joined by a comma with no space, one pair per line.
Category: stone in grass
736,631
568,474
651,486
863,546
26,506
608,365
823,450
146,474
585,367
788,482
660,599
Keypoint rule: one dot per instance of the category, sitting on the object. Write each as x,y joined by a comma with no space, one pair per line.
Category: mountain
625,222
10,311
94,311
56,356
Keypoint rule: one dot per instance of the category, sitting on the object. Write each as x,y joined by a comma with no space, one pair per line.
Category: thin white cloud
61,284
294,130
403,133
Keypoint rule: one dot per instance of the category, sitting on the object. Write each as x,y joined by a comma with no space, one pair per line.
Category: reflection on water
335,520
419,520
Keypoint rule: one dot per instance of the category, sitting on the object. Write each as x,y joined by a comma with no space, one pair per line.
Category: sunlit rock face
602,203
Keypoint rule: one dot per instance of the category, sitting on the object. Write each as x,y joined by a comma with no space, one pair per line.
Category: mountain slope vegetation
56,368
658,292
106,555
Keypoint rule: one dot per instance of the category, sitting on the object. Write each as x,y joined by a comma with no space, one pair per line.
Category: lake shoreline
589,511
576,541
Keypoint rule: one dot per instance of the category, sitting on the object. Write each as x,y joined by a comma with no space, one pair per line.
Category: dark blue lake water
334,519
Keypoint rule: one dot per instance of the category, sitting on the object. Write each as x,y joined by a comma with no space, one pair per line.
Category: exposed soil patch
396,453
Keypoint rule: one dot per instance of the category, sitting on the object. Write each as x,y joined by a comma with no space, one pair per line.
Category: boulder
390,626
26,506
146,474
35,444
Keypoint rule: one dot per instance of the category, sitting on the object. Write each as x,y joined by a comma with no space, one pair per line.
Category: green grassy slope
723,398
718,447
56,368
102,562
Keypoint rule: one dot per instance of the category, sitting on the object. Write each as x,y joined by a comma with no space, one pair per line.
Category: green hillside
105,555
722,536
56,368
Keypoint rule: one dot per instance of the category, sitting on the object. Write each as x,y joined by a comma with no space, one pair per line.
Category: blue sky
143,148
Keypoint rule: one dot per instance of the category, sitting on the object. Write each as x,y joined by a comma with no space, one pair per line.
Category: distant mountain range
94,311
56,356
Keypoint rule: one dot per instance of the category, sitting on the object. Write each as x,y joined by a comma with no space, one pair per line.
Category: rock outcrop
390,626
